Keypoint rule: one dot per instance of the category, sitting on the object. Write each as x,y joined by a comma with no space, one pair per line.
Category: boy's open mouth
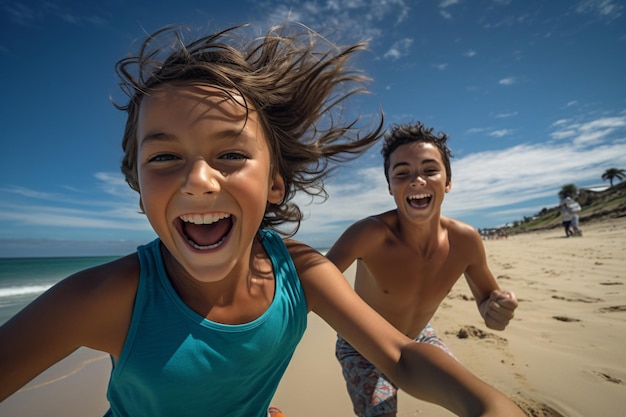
206,231
419,200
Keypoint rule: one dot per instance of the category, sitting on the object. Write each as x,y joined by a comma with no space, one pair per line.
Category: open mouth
206,231
419,200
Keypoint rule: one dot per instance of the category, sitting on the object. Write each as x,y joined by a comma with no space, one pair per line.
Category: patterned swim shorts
371,392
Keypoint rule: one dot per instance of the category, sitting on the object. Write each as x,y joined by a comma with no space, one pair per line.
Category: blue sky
531,92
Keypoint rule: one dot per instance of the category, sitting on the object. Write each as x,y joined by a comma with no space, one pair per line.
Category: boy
409,258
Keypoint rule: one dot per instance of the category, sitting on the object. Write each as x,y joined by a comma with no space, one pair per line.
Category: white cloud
563,134
501,133
447,3
392,54
507,81
108,204
603,8
399,49
506,115
588,133
49,216
607,122
349,20
476,130
560,122
493,179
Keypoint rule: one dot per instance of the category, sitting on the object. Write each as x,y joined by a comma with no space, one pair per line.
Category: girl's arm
421,370
91,308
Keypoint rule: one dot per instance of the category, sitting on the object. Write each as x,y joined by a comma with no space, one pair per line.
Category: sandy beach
563,354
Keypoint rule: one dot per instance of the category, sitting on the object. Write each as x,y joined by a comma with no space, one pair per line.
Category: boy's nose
418,180
201,179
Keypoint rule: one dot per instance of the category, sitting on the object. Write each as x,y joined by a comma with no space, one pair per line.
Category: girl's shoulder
301,252
104,296
306,259
118,275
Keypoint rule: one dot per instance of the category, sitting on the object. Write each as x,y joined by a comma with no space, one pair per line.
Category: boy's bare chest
405,277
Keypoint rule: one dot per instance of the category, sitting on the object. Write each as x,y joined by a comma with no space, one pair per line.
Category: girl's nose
201,179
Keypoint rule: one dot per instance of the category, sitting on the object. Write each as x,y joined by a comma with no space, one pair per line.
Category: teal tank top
176,363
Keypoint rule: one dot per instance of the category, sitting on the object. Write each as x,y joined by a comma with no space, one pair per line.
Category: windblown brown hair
297,81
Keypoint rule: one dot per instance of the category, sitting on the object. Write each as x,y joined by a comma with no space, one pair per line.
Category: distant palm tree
611,173
568,190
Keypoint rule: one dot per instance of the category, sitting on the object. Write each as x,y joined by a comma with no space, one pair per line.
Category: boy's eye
233,156
398,172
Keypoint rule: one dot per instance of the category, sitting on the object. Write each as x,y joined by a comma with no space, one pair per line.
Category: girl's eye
162,157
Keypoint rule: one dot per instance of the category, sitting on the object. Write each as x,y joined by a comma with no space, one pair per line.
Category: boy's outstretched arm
422,371
496,306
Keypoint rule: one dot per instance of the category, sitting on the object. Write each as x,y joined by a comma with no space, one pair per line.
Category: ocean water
24,279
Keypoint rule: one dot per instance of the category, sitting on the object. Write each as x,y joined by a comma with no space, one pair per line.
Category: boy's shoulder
388,218
389,221
457,229
377,224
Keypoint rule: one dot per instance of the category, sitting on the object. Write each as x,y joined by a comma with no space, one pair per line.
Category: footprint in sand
612,309
535,408
578,298
463,297
609,378
467,332
611,283
565,319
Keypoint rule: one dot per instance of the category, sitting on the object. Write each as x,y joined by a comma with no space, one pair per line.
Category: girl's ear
448,186
277,189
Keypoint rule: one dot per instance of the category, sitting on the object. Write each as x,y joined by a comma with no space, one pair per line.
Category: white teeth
203,218
418,196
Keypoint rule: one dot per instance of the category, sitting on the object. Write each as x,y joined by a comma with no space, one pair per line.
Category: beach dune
562,355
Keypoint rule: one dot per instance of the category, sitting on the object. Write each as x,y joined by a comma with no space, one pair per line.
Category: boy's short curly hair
402,134
290,77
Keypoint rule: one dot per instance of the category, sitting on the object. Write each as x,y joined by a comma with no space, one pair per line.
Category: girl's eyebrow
156,137
229,133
